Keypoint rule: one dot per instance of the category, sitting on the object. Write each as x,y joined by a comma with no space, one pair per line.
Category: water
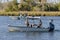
6,35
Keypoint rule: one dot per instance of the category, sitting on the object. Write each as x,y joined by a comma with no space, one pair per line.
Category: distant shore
30,13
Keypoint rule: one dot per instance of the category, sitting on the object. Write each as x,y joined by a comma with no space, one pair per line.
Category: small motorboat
25,28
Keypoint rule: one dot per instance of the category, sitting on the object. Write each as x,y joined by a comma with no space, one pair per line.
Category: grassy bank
30,13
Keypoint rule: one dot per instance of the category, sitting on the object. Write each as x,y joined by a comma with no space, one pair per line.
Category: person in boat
18,18
51,28
40,24
27,23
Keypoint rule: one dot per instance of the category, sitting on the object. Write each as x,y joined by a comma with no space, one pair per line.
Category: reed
30,13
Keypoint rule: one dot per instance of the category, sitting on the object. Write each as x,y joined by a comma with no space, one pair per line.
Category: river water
6,35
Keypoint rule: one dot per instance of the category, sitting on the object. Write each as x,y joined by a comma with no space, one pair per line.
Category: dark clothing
51,26
39,26
28,25
18,18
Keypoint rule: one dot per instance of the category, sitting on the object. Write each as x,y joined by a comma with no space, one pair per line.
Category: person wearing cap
51,25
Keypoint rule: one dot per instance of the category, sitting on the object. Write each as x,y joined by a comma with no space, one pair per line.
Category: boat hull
27,29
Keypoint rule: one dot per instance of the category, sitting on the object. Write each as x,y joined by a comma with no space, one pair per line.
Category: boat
25,28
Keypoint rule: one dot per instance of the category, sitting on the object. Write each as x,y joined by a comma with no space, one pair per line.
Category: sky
49,1
53,1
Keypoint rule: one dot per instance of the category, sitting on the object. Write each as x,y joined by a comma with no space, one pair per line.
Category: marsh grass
30,13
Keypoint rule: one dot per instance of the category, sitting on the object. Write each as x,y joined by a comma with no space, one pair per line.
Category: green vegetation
30,13
25,7
30,5
51,7
31,8
13,6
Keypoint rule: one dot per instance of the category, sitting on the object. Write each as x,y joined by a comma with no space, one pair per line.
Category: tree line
30,5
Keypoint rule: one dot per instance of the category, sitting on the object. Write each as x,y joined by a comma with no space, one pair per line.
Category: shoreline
31,13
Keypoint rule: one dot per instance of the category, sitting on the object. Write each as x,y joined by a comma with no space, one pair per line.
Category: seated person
40,24
51,28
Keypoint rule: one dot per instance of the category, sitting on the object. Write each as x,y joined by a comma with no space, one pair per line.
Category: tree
58,5
12,6
15,5
1,6
51,7
9,8
25,7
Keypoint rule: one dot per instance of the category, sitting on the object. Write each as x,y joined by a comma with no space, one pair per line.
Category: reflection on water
6,35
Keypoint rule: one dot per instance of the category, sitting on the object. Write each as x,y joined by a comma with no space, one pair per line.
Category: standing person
51,25
40,24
